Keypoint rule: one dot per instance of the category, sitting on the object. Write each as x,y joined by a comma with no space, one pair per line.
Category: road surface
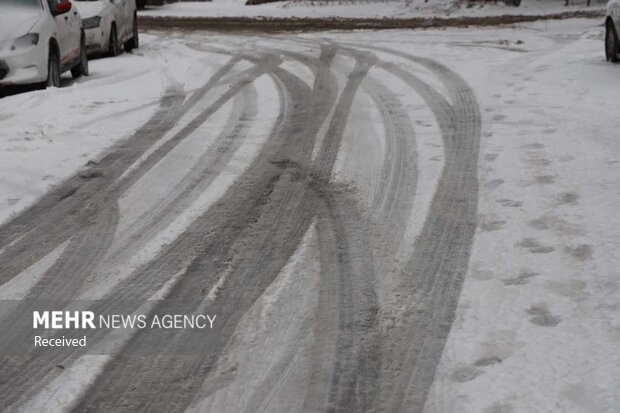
318,194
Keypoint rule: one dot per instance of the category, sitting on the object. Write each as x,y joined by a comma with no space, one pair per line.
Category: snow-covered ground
362,9
537,327
538,323
45,136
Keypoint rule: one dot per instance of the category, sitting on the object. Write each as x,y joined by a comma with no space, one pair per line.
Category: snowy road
393,222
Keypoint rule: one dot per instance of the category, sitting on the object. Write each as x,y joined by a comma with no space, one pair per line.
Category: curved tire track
241,243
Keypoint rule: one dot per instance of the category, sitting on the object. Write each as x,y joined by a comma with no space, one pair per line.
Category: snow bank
390,9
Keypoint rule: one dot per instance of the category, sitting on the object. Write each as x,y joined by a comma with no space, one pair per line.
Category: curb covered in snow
319,24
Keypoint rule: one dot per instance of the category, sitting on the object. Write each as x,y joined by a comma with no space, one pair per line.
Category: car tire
53,70
134,42
81,69
611,43
113,49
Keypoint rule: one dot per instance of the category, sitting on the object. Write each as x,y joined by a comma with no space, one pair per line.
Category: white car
612,22
40,40
108,24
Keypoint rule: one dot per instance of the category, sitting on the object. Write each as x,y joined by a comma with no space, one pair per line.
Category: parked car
40,40
612,22
108,25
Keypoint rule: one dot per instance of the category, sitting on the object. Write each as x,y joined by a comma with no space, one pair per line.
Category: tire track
58,215
434,275
350,390
262,65
285,153
76,263
347,301
346,369
64,279
275,210
288,213
84,251
393,202
347,267
350,362
239,245
324,90
196,181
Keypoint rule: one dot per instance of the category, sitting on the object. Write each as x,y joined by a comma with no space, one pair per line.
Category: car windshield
26,3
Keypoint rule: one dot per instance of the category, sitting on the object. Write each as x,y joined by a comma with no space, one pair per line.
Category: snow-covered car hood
90,8
17,21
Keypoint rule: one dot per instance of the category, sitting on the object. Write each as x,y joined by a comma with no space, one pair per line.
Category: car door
75,32
119,18
63,31
130,9
612,11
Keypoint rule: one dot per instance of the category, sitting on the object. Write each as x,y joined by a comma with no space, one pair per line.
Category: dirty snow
362,9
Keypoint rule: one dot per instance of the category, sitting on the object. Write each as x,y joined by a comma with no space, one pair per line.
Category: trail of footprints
553,224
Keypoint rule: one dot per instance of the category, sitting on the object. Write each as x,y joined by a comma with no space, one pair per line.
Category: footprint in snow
464,374
567,198
534,246
494,183
541,316
582,252
521,279
509,203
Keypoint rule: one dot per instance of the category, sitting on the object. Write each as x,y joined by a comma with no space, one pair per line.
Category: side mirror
62,8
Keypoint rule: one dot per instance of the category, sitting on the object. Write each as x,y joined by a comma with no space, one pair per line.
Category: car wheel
113,49
81,69
134,42
611,43
53,70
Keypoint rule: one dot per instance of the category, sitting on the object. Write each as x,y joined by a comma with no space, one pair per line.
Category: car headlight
91,22
30,39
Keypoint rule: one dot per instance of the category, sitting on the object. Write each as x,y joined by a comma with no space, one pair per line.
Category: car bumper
23,66
95,40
